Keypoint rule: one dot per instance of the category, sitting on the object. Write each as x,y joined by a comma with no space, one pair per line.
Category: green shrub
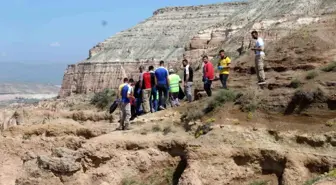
330,67
156,128
311,75
192,115
127,181
295,83
249,101
312,181
259,183
103,99
222,97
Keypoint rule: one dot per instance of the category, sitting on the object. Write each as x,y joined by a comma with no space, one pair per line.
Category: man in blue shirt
161,75
126,97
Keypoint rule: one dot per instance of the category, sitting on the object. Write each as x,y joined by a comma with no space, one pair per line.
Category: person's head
151,68
141,68
205,59
254,34
171,71
161,63
185,62
131,81
222,54
125,80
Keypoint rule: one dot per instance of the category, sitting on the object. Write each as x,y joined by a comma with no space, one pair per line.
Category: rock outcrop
189,32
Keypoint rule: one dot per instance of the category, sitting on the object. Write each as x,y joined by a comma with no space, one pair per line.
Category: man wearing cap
174,87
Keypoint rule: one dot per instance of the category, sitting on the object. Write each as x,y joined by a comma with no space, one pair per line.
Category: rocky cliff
176,32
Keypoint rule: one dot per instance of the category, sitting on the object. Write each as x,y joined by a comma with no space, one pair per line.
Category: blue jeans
223,78
138,103
207,87
153,100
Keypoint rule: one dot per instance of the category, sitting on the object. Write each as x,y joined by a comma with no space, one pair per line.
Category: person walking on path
188,79
126,96
259,57
174,87
224,68
161,74
208,75
153,95
147,81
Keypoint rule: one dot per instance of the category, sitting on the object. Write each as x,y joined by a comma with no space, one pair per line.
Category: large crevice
180,169
269,162
176,149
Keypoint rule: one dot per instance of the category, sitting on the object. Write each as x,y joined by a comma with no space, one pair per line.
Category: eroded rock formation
177,32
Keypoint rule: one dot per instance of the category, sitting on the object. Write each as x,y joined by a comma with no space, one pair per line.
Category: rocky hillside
59,143
190,31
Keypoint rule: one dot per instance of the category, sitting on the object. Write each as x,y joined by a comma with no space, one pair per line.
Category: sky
63,31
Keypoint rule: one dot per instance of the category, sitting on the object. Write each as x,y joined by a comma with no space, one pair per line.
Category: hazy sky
43,31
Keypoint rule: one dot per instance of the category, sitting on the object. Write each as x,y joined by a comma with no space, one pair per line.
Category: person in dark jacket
138,98
188,79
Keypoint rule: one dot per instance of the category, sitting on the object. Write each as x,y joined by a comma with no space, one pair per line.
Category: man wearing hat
174,87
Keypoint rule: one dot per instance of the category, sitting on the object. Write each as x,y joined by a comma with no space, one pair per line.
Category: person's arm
141,79
168,81
155,81
207,70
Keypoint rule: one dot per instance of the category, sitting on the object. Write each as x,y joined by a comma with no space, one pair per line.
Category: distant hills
48,73
27,88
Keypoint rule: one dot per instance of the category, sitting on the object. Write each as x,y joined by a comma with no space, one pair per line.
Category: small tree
103,99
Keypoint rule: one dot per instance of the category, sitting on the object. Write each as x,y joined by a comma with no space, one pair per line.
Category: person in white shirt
259,57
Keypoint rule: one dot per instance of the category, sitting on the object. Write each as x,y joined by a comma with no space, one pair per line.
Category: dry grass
296,83
249,100
330,67
311,75
52,130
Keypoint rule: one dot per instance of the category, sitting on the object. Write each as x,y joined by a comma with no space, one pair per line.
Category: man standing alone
188,79
161,74
208,75
259,57
224,68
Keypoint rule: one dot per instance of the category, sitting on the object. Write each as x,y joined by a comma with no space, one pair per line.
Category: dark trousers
163,94
207,87
133,112
153,100
138,103
223,78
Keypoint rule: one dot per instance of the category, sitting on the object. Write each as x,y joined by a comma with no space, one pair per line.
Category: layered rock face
177,32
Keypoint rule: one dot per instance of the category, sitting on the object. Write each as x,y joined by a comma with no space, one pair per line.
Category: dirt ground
283,133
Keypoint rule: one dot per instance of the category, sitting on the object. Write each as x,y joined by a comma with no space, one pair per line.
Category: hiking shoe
261,83
127,128
162,108
119,128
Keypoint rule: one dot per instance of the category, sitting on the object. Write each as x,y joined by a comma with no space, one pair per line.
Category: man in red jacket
208,75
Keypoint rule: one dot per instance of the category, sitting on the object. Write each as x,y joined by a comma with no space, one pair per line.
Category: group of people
156,86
